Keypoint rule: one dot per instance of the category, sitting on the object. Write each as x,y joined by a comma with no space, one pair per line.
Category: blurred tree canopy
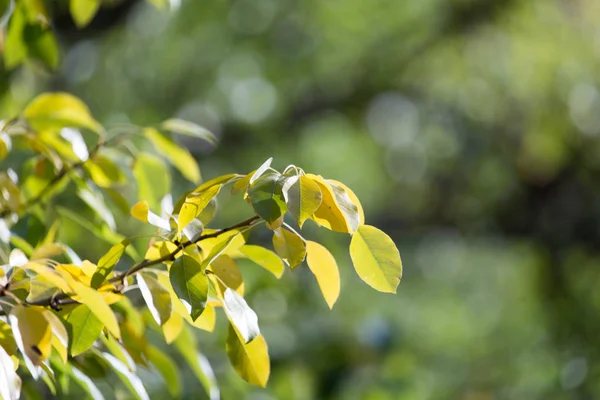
469,130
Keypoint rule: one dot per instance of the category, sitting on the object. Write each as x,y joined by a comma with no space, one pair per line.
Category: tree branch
65,298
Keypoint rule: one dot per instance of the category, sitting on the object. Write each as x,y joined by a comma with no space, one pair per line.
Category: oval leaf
194,204
190,283
329,213
83,11
34,331
96,302
249,360
241,315
266,196
376,259
156,296
59,110
303,197
188,128
289,246
179,157
265,258
84,328
323,266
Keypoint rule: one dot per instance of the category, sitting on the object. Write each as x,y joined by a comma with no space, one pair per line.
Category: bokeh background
468,128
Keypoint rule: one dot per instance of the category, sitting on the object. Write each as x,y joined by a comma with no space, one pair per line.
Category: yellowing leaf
156,296
194,204
242,184
104,172
266,196
265,258
228,272
57,111
153,179
172,328
352,214
47,250
303,197
60,337
190,283
289,246
251,360
329,214
240,315
107,262
376,259
96,302
83,11
353,198
207,320
323,266
178,156
34,333
141,211
160,249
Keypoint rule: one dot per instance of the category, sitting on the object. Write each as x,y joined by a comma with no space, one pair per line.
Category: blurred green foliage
469,130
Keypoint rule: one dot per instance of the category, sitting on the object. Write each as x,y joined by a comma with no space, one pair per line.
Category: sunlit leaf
130,379
107,262
47,250
59,110
194,204
167,368
188,128
302,196
96,302
323,266
60,337
34,331
190,283
187,347
265,258
83,11
157,297
153,179
104,172
84,327
96,202
10,383
240,315
266,196
376,259
178,156
329,213
260,170
141,211
289,246
172,328
250,360
226,269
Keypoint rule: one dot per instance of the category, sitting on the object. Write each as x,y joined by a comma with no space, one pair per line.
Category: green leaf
84,328
86,383
167,368
251,360
95,301
266,196
265,258
186,345
188,128
107,262
83,11
96,202
190,283
376,259
178,156
15,48
241,315
289,246
157,298
153,179
104,172
118,351
10,383
42,45
323,266
194,204
59,110
302,196
131,380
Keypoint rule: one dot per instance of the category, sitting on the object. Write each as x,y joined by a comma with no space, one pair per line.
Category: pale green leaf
190,283
130,379
188,128
83,11
265,258
289,246
323,266
376,259
251,360
84,327
95,301
178,156
260,170
153,179
156,296
59,110
107,262
118,351
167,368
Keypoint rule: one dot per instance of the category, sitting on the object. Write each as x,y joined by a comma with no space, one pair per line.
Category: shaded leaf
167,368
260,170
188,128
251,360
153,179
118,351
228,272
289,246
190,283
323,266
266,196
302,196
376,259
60,337
130,379
156,296
84,327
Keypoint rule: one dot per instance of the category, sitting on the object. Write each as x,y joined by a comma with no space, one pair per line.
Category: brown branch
65,298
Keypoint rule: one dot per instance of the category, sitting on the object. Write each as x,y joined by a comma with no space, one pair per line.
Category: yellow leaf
141,211
60,337
303,197
178,156
160,249
242,184
328,214
251,360
289,246
49,274
207,320
376,259
226,269
83,11
59,110
194,204
96,302
172,328
353,198
47,250
323,266
34,331
265,258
